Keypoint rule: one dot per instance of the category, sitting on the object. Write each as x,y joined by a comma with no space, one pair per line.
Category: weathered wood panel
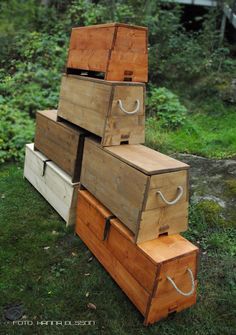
60,142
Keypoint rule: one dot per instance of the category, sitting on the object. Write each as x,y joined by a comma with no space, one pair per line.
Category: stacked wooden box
131,201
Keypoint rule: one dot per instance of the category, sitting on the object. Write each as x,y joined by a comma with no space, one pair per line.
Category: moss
231,187
211,211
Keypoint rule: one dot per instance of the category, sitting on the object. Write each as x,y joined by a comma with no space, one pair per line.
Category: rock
213,180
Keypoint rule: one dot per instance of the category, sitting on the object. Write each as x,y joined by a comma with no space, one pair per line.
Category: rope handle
173,202
125,111
186,294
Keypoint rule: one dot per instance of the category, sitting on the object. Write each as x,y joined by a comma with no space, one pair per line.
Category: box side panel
129,39
89,48
84,103
58,143
117,185
135,292
52,187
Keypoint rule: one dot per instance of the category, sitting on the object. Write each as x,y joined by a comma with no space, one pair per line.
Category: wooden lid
145,159
112,24
165,248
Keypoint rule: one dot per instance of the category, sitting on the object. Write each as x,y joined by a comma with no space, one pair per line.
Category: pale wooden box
131,181
114,111
52,182
144,272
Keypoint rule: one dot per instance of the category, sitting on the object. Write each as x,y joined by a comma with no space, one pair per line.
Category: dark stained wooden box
117,50
60,141
145,271
146,190
114,111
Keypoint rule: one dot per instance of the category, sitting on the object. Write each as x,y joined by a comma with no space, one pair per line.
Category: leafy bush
166,107
16,129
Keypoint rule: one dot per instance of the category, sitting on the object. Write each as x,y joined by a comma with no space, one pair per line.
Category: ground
49,270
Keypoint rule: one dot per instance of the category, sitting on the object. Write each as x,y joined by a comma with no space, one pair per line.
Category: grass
208,132
47,268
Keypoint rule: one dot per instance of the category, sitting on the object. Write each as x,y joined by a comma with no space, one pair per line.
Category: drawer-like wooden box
52,182
146,190
118,51
114,111
148,272
60,141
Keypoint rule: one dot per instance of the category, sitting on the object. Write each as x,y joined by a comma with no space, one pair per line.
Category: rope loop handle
186,294
125,111
173,202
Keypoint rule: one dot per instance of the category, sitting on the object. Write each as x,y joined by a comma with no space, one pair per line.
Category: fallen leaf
3,196
87,274
90,259
91,306
46,248
87,294
74,254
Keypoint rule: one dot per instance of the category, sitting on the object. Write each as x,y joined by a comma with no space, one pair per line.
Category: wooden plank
136,293
145,159
118,186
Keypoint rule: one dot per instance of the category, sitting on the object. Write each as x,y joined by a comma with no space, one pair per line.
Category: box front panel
167,299
84,102
121,130
130,39
166,210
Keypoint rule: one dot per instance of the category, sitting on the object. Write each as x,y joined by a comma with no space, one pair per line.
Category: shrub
166,107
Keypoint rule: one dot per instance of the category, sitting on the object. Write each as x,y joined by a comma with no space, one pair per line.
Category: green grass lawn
211,134
49,270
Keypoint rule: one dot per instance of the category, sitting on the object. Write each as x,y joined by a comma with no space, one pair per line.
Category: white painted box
52,182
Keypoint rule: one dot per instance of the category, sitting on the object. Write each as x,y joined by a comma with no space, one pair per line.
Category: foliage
166,107
209,130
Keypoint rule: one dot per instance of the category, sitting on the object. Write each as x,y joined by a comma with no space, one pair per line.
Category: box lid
146,160
112,24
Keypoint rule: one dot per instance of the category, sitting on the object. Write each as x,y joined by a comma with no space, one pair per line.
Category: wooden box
158,276
118,51
145,189
60,141
52,182
114,111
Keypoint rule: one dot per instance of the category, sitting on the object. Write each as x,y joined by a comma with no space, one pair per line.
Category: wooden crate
118,51
114,111
52,182
60,141
132,181
147,272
